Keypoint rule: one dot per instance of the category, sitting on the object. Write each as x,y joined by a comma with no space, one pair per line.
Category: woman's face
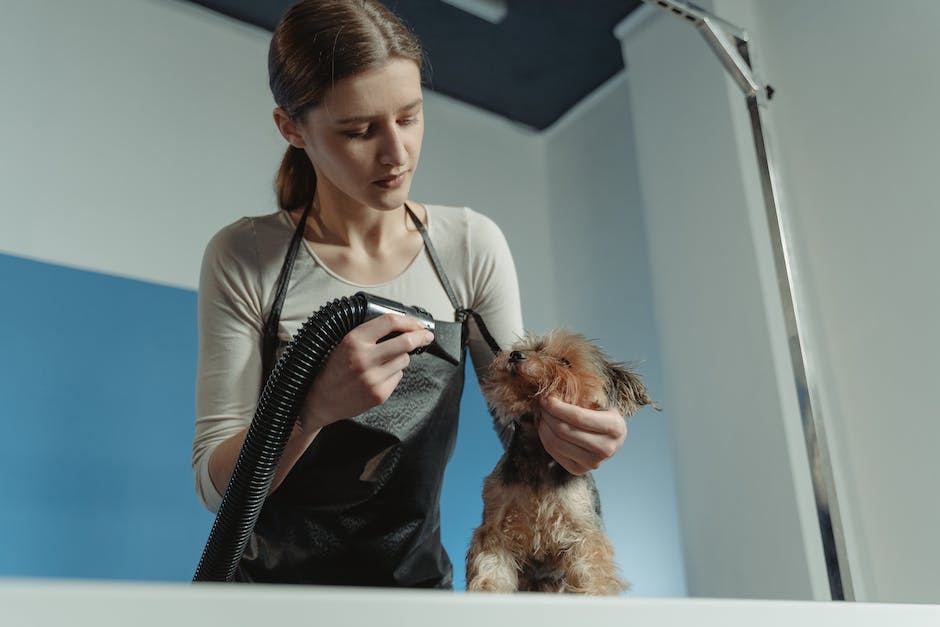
364,139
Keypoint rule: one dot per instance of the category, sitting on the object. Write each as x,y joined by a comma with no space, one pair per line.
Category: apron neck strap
269,337
460,313
435,260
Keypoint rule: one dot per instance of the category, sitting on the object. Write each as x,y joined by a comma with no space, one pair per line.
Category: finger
605,422
377,328
394,334
571,465
585,456
402,344
379,392
388,386
364,351
570,458
587,447
587,440
380,374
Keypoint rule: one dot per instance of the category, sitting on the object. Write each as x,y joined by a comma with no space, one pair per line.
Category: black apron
361,505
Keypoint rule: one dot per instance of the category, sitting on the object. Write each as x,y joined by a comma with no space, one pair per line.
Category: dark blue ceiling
531,68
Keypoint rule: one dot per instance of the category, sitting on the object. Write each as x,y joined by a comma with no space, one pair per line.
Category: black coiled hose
270,429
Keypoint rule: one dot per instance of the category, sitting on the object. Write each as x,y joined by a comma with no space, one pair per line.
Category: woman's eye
408,121
357,134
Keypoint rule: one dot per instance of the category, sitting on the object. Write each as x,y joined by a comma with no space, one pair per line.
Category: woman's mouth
391,182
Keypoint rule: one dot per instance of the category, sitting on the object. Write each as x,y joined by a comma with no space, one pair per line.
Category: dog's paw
489,584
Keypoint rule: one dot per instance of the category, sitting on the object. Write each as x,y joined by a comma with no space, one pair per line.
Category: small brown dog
542,527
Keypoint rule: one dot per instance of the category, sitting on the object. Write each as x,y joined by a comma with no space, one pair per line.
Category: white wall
853,126
120,121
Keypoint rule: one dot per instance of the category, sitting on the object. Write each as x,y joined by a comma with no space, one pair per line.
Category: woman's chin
391,198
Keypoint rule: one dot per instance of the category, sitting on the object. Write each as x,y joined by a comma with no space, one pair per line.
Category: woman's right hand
361,373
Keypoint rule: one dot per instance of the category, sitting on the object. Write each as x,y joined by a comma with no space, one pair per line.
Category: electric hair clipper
447,335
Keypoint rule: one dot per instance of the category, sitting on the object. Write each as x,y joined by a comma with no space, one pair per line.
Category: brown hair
317,43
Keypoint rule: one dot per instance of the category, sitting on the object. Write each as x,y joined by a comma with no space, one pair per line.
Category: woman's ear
288,128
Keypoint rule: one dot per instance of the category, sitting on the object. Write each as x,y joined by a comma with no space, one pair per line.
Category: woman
355,497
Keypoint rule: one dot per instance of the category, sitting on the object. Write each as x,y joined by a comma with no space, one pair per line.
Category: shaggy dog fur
542,528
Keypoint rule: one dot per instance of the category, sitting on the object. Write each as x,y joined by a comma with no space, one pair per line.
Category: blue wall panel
96,399
478,450
96,404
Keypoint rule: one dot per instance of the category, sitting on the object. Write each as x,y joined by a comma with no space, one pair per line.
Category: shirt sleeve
228,376
495,290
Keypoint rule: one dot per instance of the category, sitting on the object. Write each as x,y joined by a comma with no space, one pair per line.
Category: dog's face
562,363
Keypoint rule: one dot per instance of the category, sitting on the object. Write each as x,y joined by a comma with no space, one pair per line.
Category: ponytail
296,180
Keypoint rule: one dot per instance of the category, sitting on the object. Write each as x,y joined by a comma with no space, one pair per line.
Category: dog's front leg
491,566
590,567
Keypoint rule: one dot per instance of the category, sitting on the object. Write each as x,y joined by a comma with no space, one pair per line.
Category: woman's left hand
577,438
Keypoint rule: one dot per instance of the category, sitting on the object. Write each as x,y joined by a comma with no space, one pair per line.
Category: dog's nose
516,356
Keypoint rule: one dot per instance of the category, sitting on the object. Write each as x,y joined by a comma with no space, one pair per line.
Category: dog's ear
625,389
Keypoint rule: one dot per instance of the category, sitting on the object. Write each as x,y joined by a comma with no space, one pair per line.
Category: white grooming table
59,603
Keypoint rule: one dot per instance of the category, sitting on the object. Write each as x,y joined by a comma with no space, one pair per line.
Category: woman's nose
393,149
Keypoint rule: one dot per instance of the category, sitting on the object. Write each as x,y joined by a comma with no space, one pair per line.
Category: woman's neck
363,244
341,221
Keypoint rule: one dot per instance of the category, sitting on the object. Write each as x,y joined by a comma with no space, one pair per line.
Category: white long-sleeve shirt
236,290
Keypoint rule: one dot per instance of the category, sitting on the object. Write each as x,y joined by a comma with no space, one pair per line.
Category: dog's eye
564,362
